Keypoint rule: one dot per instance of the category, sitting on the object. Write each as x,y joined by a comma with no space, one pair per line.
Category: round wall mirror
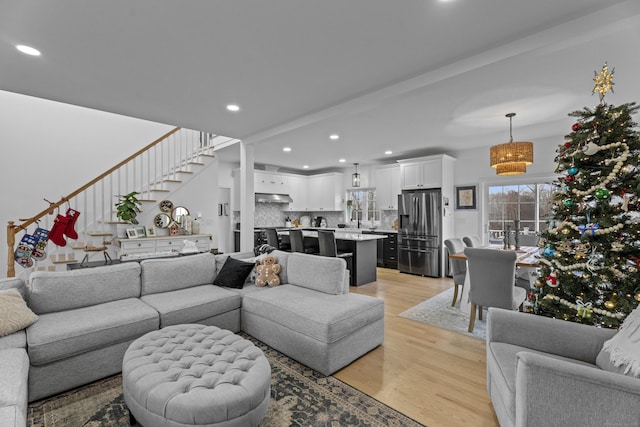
162,220
178,213
166,206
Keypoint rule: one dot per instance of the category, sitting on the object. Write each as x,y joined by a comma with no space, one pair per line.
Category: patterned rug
437,311
299,397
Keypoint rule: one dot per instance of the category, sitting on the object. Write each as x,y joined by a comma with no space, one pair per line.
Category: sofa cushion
15,340
503,358
621,354
51,291
324,274
192,304
14,371
233,273
163,275
67,333
14,283
321,316
14,313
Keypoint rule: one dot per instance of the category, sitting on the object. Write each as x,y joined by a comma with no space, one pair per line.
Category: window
361,206
529,203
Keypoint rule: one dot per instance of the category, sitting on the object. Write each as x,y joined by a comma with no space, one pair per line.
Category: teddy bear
268,272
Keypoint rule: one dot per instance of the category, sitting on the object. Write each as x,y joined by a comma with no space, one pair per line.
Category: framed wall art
466,197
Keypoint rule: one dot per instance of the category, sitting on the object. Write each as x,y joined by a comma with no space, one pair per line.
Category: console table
154,246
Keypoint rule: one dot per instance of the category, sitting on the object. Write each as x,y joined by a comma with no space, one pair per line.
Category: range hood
273,198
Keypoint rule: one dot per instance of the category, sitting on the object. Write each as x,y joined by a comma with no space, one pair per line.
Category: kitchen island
364,248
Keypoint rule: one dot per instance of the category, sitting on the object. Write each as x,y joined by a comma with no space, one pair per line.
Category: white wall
472,168
50,149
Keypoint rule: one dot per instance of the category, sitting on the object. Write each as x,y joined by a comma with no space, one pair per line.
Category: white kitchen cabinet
425,172
270,183
299,192
326,192
387,187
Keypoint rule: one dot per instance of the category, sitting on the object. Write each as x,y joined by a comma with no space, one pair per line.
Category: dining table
526,258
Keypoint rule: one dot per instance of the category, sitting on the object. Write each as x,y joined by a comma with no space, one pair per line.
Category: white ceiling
415,77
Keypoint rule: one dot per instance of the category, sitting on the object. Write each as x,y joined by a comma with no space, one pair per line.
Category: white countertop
359,237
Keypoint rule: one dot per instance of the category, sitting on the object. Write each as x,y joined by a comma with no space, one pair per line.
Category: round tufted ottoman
195,375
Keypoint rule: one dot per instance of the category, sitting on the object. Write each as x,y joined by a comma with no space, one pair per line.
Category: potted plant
128,207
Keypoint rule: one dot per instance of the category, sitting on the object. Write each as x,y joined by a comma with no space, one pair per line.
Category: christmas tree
590,252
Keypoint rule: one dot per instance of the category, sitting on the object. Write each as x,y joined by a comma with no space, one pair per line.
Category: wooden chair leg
455,294
472,317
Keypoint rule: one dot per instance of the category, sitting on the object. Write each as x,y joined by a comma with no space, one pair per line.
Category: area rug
299,397
437,311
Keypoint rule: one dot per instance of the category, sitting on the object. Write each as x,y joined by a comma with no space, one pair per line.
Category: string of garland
583,309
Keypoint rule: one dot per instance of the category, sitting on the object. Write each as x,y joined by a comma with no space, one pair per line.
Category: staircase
156,171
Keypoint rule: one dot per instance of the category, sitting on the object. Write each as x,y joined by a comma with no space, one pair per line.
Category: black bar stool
274,240
297,243
328,247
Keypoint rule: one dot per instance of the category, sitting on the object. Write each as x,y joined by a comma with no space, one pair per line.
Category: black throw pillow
233,273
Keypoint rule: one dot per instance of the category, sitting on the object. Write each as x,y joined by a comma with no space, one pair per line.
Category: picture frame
140,231
131,233
151,231
466,197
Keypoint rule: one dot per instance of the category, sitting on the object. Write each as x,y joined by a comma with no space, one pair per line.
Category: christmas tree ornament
604,81
56,234
570,178
575,127
568,203
69,229
573,170
551,280
610,305
22,254
42,237
548,252
590,149
584,310
602,193
567,144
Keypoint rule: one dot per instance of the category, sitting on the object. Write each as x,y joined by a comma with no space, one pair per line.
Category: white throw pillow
14,313
621,353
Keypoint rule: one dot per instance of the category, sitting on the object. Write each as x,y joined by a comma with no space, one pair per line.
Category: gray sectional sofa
88,318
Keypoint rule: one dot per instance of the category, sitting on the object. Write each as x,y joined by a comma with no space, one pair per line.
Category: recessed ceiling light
305,166
334,136
233,107
28,50
342,160
286,149
388,152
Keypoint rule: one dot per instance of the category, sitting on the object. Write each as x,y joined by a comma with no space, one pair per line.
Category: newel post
11,241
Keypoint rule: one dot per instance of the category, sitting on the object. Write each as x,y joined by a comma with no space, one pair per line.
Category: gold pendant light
511,158
355,177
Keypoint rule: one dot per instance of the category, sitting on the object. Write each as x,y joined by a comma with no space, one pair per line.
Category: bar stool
297,243
274,241
328,247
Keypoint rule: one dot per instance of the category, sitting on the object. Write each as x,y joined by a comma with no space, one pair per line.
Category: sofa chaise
87,318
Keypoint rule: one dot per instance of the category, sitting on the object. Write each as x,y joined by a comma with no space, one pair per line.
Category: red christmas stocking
56,234
69,230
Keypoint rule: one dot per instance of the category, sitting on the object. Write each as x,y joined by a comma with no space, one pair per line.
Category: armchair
543,372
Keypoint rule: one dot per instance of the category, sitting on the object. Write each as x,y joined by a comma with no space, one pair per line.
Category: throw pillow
14,313
621,353
233,273
263,249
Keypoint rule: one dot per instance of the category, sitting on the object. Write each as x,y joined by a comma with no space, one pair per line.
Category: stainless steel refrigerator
420,232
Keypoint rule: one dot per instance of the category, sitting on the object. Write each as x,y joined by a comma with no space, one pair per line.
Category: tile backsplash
272,215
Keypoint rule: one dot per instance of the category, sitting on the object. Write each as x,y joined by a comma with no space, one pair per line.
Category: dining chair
491,281
274,240
329,247
296,239
458,267
472,241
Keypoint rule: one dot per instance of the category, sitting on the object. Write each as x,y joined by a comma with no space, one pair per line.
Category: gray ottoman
195,375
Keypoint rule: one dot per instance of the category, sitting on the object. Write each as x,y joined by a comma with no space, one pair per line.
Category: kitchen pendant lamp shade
511,158
355,178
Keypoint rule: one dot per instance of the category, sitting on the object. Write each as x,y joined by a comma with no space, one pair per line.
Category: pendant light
355,178
511,158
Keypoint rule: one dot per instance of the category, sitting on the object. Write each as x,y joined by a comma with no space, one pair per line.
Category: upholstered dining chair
491,281
458,266
296,239
329,247
472,241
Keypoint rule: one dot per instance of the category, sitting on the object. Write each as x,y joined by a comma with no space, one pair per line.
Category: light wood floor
432,375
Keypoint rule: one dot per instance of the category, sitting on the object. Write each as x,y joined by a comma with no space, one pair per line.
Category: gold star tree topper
604,81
